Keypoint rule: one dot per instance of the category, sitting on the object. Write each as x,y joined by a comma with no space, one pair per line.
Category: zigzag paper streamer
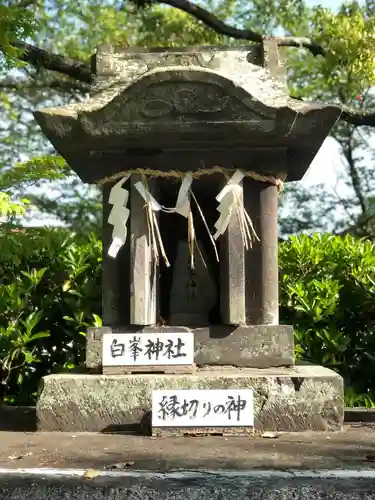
183,198
229,199
119,215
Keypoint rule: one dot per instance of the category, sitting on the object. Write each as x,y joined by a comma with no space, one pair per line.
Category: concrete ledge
285,399
360,414
17,418
261,346
210,485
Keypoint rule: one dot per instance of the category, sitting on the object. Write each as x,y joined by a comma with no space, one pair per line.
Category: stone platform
246,346
304,397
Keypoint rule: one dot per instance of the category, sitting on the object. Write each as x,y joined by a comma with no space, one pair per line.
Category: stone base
258,346
304,397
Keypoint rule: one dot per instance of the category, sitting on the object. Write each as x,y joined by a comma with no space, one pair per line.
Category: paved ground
353,448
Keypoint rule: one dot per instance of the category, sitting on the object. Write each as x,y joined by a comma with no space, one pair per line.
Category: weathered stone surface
143,267
285,399
260,346
94,348
232,271
163,103
261,260
130,62
275,61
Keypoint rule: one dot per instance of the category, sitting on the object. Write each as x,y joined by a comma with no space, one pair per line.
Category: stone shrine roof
159,109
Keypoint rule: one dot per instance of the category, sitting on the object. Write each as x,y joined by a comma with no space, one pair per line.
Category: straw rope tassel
276,181
191,239
230,201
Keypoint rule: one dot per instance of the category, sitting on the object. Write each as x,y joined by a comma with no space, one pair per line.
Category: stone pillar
143,268
232,275
261,262
273,58
129,282
115,274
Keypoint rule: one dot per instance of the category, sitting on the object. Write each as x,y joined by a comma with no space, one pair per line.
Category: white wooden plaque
203,408
148,349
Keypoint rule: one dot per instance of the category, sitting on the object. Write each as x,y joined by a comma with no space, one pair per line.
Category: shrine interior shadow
174,231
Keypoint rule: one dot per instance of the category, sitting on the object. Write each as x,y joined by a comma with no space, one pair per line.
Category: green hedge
327,286
50,293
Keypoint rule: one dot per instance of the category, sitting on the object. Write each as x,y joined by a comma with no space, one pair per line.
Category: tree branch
81,72
63,85
55,62
348,152
225,29
358,118
360,228
24,3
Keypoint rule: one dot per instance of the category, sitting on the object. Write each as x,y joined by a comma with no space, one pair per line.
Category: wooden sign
148,352
207,409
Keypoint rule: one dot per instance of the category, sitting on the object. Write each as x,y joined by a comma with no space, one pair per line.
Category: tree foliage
75,30
349,37
50,292
16,23
346,75
327,292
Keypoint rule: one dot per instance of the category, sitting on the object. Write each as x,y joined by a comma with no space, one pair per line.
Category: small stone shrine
191,148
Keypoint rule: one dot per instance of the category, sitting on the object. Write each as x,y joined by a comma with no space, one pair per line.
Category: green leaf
97,320
32,320
29,357
39,335
75,293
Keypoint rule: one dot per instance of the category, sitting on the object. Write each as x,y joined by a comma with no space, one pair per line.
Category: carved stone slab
212,108
260,346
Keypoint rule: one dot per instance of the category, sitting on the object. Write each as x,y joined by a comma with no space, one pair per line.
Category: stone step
304,397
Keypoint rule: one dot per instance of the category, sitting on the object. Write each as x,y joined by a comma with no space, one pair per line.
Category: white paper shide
203,408
119,215
148,349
